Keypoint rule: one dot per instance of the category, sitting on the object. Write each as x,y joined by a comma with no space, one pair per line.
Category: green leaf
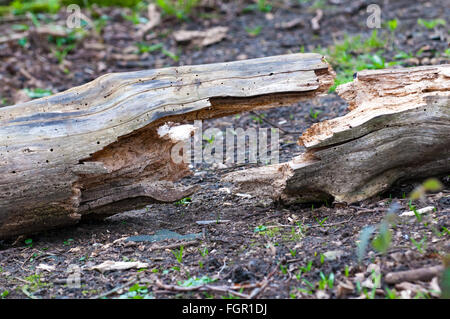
193,281
383,240
37,93
260,228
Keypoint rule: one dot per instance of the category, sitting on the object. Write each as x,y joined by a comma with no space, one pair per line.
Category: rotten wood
398,129
99,149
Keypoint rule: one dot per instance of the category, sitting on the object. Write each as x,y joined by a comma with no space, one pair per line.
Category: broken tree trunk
398,129
99,149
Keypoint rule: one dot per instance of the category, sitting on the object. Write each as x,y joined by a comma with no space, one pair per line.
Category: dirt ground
252,248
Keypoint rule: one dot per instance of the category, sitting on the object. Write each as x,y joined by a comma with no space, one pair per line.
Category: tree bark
95,150
398,128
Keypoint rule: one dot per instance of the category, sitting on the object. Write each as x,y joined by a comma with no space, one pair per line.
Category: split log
398,128
98,149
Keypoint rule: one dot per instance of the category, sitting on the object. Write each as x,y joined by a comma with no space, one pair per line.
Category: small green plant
321,222
209,140
382,241
314,114
34,282
144,48
193,281
293,252
254,31
137,292
296,236
37,93
171,55
68,242
177,8
431,24
390,294
204,251
257,118
283,269
447,53
18,7
376,280
260,228
307,268
4,294
353,54
230,296
421,245
135,18
29,242
346,271
326,281
392,25
179,254
185,201
261,5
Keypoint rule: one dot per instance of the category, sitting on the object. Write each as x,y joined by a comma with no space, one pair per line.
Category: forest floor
251,247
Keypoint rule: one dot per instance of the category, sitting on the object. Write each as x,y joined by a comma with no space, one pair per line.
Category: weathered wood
95,150
398,129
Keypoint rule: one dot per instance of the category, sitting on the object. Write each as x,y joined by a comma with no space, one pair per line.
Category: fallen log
99,149
398,128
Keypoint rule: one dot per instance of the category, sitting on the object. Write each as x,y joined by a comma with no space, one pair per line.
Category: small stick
184,244
110,292
420,274
201,288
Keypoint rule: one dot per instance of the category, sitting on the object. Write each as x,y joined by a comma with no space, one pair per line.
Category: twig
110,292
332,224
264,284
222,268
27,293
223,289
184,243
313,226
422,274
22,280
